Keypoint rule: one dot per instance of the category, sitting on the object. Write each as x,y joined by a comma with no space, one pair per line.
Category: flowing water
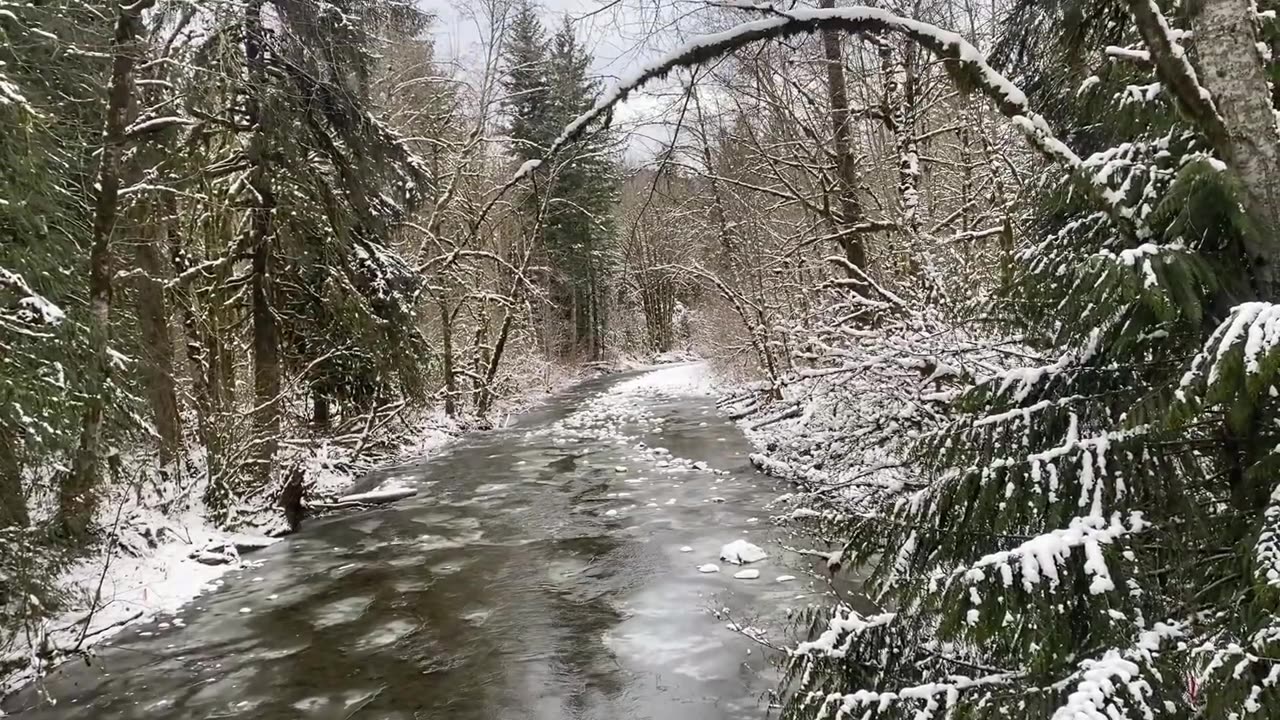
506,588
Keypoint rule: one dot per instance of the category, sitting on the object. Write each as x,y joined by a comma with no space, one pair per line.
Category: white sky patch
619,36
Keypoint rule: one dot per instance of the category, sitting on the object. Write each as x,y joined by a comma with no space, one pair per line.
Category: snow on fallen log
381,496
378,497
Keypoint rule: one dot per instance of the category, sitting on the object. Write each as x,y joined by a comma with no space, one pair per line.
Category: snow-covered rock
247,543
216,552
741,552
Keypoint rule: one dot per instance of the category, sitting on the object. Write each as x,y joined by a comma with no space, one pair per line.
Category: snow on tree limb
965,62
1248,337
32,307
1108,685
842,629
1175,71
1039,558
926,695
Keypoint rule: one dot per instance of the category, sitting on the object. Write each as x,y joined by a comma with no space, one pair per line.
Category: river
539,572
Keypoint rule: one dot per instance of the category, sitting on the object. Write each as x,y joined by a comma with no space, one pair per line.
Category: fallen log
365,499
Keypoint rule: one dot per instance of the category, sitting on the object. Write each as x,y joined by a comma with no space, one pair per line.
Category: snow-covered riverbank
160,552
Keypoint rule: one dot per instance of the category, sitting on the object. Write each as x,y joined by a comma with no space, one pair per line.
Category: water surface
505,589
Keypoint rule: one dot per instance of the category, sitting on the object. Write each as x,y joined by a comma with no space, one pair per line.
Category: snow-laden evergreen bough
1092,535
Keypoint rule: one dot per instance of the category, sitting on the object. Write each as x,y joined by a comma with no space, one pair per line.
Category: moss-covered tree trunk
266,336
157,353
77,499
13,501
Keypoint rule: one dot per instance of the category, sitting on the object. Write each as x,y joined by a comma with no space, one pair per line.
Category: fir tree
546,88
527,101
579,223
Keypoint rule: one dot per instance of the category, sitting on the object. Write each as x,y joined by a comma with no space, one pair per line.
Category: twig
102,578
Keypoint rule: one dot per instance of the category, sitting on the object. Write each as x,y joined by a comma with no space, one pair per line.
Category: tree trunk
657,300
201,364
157,354
846,171
898,111
266,351
485,400
13,501
446,358
321,411
479,350
222,344
486,391
77,499
717,204
1233,72
597,303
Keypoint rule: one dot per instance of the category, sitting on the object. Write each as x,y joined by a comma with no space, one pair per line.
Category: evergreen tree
579,223
546,89
1097,536
43,216
525,80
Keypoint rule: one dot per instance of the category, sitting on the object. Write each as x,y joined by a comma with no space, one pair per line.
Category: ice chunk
747,574
709,568
686,548
786,578
740,552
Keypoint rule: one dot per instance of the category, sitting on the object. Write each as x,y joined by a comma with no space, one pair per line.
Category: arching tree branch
966,64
